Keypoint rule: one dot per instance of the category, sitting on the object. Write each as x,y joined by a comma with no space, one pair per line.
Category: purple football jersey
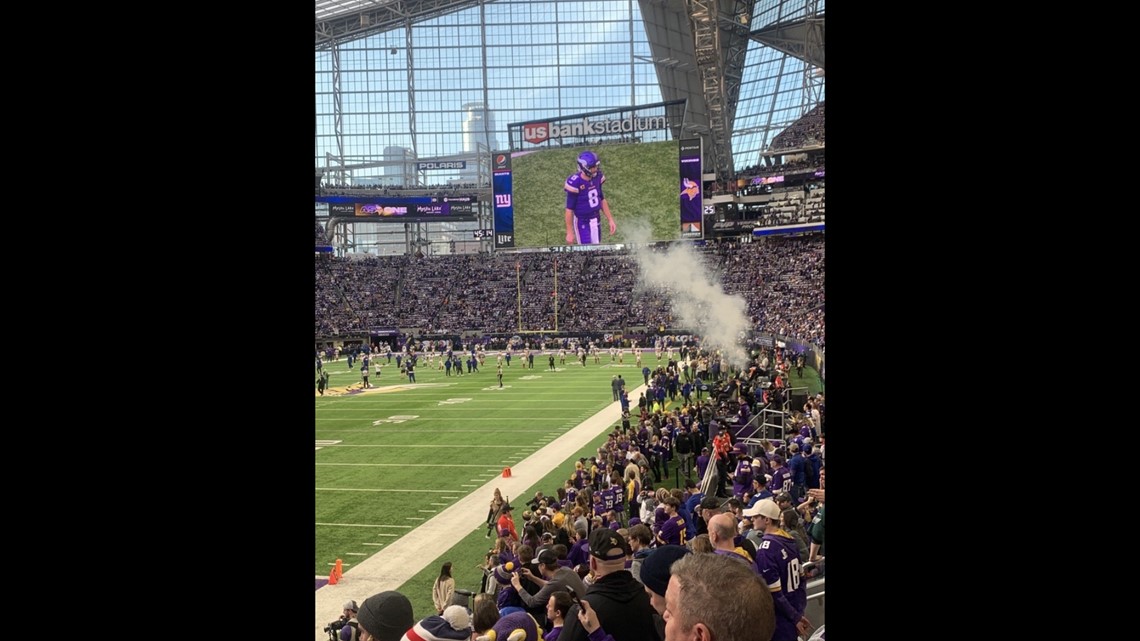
672,531
584,197
781,480
778,563
743,478
608,497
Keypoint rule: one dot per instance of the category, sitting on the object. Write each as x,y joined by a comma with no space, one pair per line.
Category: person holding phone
588,618
554,578
619,601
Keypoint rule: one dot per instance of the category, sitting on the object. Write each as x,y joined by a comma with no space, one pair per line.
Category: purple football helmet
588,163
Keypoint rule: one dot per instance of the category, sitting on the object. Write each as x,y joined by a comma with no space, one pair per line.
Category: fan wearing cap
742,475
781,476
778,563
385,617
620,602
708,507
759,487
453,625
507,523
722,443
798,466
553,578
350,631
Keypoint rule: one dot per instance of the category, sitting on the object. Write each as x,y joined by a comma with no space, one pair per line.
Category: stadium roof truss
343,20
800,38
698,47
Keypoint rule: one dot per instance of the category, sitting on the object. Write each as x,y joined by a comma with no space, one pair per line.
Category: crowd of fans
744,186
781,279
752,509
809,129
453,189
814,163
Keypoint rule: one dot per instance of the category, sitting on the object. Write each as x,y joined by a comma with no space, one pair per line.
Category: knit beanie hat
386,615
655,568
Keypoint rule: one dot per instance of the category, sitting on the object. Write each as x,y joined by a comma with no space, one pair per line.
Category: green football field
390,459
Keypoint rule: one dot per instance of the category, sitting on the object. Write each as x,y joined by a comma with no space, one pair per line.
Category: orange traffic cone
338,569
506,472
333,578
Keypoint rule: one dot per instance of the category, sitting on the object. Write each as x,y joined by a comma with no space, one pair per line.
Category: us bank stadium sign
537,132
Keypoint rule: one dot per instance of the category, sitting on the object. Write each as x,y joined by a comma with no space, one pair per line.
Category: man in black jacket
684,445
619,600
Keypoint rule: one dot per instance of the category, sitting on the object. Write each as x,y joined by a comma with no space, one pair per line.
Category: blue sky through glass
544,60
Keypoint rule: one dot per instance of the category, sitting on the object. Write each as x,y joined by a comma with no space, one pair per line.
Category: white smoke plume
694,291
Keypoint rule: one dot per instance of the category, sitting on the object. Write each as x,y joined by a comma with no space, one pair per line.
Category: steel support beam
704,20
338,123
359,24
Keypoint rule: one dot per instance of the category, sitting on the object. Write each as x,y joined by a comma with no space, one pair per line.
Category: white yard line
357,489
402,527
405,464
431,446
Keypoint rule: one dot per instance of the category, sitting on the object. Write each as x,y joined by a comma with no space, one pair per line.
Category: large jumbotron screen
641,186
636,149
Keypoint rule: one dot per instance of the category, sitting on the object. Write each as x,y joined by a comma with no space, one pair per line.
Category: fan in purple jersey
608,497
673,528
778,563
759,489
584,199
742,475
781,476
598,507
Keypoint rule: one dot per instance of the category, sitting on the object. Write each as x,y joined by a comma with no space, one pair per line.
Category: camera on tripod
334,628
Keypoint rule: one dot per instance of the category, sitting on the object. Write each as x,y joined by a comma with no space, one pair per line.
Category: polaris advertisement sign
437,164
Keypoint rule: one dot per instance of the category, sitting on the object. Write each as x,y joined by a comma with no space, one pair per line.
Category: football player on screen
584,200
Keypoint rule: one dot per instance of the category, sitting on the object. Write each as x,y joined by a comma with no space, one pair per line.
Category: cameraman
350,628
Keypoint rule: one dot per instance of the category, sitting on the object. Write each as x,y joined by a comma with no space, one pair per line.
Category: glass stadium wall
776,88
377,101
